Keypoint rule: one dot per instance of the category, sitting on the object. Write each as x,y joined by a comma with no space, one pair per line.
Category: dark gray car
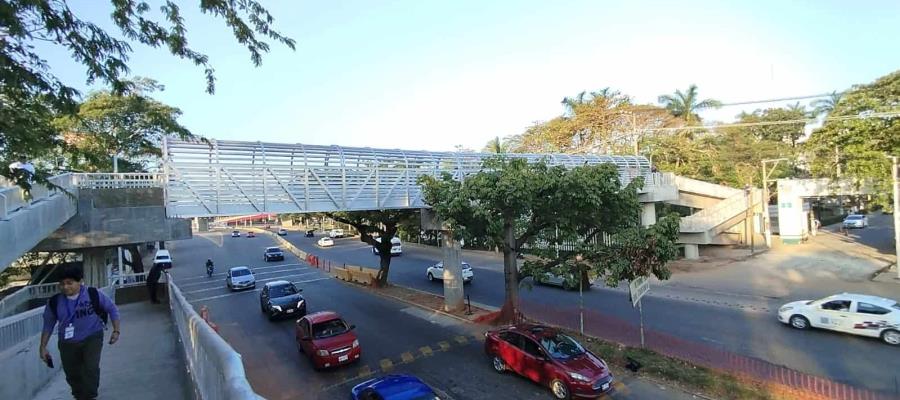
281,299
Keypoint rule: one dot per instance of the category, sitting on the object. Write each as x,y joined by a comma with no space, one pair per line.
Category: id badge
69,332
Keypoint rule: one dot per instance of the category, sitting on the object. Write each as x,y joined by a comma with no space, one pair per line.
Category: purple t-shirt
79,313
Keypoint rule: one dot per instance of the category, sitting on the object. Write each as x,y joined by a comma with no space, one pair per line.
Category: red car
549,358
327,339
251,234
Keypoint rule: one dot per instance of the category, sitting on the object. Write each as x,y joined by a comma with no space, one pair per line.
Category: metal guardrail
216,369
126,280
722,211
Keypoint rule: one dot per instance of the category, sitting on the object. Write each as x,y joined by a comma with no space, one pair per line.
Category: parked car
393,387
282,232
281,299
327,340
273,253
310,233
550,358
856,221
336,233
250,234
396,247
163,259
239,278
325,242
235,233
856,314
567,282
436,271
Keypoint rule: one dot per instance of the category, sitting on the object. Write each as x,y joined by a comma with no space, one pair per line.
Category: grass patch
678,372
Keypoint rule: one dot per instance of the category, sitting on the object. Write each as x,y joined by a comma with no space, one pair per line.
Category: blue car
393,387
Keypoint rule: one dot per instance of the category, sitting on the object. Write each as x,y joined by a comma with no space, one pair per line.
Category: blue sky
435,74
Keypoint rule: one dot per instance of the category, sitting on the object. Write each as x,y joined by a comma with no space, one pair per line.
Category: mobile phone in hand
49,361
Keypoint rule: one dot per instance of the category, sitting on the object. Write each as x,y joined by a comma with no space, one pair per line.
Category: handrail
9,305
722,211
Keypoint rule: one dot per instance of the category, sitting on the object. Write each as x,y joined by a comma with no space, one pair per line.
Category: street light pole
767,218
896,185
578,259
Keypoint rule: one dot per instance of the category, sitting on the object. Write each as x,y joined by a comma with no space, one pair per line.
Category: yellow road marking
444,346
407,357
365,371
462,339
386,365
426,351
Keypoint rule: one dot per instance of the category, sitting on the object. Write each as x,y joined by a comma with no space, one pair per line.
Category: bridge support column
692,251
648,214
94,266
201,224
453,280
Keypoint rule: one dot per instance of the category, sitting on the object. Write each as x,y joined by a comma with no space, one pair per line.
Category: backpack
95,303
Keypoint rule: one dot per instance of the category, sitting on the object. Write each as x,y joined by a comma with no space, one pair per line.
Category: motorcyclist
209,267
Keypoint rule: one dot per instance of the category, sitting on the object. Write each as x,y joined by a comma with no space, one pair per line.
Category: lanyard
71,311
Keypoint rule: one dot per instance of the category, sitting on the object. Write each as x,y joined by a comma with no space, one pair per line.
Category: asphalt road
844,358
394,337
879,235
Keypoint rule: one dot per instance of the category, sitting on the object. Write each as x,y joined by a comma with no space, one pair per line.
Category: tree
827,105
856,147
496,146
513,203
131,126
383,222
31,95
686,105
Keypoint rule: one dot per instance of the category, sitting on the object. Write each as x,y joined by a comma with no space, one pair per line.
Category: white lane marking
222,274
215,280
258,280
248,291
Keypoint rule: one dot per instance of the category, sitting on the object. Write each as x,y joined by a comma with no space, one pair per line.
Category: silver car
856,221
239,278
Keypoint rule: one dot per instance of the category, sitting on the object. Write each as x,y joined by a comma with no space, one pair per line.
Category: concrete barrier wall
22,373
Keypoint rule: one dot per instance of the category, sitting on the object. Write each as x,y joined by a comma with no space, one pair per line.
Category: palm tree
685,105
826,105
584,97
496,145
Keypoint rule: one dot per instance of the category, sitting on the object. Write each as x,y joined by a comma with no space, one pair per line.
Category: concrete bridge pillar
201,224
648,214
453,280
95,266
692,251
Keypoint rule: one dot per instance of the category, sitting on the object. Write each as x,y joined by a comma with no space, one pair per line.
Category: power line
740,103
786,122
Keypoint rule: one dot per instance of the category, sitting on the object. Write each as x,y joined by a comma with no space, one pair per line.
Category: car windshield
560,346
282,290
329,328
466,266
240,272
162,257
273,250
896,305
854,217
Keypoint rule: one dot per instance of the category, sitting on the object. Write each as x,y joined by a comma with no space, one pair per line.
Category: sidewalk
146,363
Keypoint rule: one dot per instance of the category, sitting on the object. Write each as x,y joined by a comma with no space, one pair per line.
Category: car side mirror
352,327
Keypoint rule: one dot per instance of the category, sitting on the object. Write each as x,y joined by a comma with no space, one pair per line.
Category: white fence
216,369
119,181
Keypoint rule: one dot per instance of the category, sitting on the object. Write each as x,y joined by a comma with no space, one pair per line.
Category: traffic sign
638,287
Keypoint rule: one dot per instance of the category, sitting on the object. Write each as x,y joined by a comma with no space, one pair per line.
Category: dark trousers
81,363
151,286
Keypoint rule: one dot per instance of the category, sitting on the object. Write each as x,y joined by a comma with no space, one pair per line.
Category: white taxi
856,314
436,271
325,242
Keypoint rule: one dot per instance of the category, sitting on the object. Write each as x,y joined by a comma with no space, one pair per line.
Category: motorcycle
209,271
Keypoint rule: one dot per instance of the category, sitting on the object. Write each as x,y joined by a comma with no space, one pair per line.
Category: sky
433,75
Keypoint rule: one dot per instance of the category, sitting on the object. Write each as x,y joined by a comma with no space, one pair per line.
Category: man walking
81,312
153,282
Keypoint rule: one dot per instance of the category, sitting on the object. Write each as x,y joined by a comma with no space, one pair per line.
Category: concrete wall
25,228
22,373
114,217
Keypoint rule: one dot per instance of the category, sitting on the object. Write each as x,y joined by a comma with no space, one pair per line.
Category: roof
162,252
322,316
278,283
396,386
878,301
273,247
534,331
239,267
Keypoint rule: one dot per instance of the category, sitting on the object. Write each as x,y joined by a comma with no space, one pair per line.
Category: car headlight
276,308
323,353
580,377
300,304
355,343
785,309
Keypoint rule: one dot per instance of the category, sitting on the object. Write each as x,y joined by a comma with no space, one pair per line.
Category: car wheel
430,277
891,337
799,322
498,364
559,389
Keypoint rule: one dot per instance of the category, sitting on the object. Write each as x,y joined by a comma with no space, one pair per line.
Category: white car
336,233
325,242
282,232
436,271
240,278
849,313
163,259
396,247
235,233
856,221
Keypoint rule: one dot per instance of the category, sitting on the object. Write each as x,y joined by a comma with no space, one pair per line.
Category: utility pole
767,218
896,185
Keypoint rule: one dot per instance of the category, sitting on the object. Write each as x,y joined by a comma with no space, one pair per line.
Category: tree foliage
514,204
686,105
31,96
384,224
131,125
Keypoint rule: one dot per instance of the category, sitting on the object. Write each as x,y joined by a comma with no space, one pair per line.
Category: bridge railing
216,369
13,198
722,211
119,181
12,304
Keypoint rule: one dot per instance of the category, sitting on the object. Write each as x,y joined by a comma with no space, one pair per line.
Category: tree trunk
510,274
137,261
384,266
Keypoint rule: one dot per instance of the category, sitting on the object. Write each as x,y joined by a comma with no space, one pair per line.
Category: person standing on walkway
153,282
81,313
